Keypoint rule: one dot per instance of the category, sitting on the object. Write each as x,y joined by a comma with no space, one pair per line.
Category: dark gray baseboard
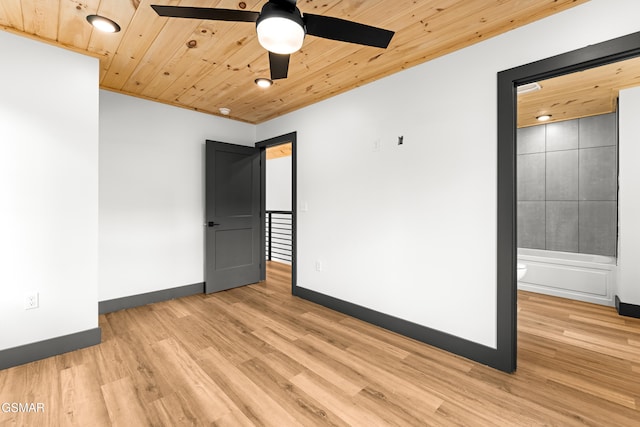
42,349
465,348
116,304
625,309
52,347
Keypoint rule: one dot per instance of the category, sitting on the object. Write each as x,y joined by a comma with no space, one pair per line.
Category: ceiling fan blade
346,31
279,65
206,13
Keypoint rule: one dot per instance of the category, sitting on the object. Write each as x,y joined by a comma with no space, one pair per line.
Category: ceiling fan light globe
280,35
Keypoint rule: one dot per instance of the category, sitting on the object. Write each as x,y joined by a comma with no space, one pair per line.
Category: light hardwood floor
259,356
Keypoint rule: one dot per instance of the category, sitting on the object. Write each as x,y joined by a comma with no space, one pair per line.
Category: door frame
263,145
607,52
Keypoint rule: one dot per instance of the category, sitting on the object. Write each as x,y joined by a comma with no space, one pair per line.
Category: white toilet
522,270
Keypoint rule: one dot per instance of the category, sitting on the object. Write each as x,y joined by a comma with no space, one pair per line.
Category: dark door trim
278,140
607,52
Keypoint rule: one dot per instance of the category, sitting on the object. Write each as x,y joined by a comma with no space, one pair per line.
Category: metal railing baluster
278,236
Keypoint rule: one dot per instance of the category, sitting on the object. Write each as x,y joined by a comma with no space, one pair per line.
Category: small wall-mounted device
400,140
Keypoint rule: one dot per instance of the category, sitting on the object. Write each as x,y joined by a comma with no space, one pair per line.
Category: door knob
212,224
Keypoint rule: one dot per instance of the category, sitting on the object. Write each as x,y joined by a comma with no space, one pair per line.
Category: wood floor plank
330,396
176,409
282,364
416,395
274,375
141,364
212,402
122,403
257,355
258,320
358,339
310,361
82,400
253,401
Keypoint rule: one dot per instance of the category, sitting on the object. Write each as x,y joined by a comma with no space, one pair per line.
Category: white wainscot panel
583,281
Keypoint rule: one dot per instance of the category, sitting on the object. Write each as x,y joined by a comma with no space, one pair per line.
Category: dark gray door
233,239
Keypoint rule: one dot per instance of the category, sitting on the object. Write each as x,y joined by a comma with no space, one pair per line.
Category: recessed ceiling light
224,111
103,24
544,117
531,87
264,82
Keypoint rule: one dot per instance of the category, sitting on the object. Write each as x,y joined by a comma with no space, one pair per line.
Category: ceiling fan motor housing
280,29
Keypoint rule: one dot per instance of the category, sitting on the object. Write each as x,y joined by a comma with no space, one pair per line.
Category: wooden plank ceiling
586,93
205,65
283,150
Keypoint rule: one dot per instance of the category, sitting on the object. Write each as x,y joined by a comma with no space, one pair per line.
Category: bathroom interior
567,183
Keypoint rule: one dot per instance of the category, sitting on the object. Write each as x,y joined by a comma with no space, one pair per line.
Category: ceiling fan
281,28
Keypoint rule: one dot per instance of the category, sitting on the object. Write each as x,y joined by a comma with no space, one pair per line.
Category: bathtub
589,278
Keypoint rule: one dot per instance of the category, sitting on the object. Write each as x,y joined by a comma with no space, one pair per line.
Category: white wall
48,191
408,230
152,193
411,230
278,185
629,203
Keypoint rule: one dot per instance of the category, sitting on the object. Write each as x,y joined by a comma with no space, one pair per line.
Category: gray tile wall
598,131
531,140
567,186
562,135
531,225
597,224
530,181
561,175
562,226
598,174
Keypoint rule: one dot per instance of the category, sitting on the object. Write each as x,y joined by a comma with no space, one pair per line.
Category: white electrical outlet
318,266
31,301
376,145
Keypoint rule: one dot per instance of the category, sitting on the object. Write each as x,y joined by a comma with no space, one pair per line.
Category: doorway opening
608,52
567,182
278,208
